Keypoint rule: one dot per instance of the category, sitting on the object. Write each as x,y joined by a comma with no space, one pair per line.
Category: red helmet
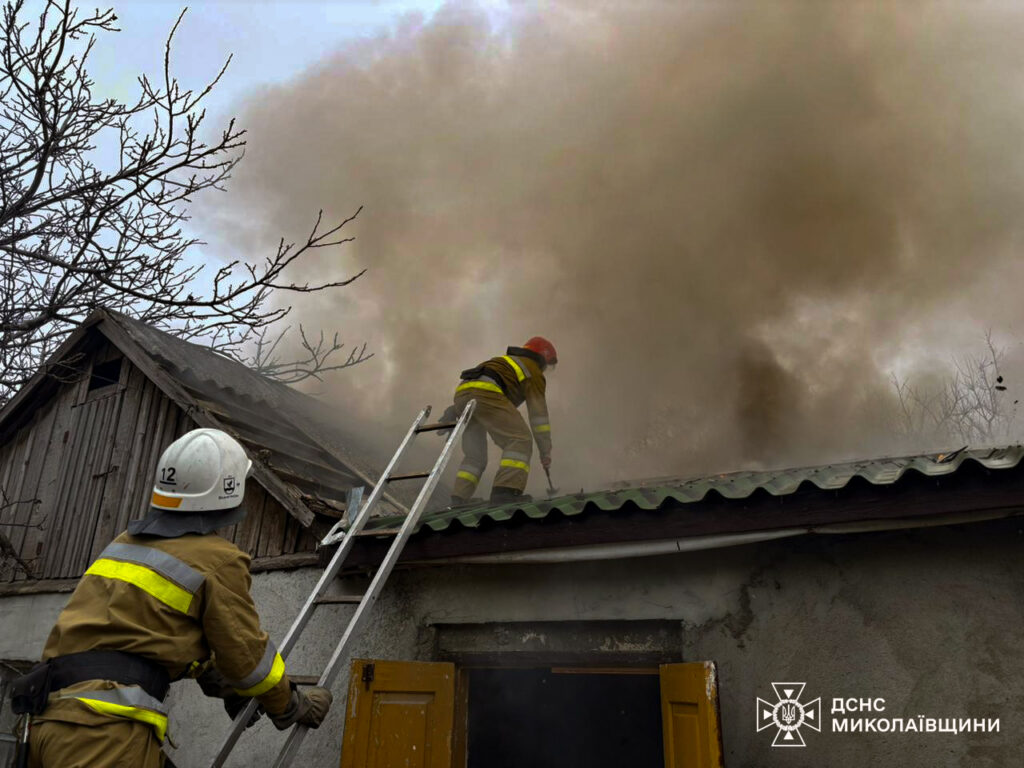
544,348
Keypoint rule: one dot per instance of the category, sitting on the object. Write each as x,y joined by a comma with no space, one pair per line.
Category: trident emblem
788,714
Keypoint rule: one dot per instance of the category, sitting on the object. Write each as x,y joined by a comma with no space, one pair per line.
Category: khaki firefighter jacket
519,376
176,601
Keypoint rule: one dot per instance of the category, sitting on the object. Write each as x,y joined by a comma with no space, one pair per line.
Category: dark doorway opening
549,719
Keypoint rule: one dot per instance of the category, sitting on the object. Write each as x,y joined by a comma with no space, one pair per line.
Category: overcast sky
269,41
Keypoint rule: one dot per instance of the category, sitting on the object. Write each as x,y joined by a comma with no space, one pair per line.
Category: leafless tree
94,202
971,405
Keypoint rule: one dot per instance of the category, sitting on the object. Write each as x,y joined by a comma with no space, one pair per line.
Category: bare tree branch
970,405
79,230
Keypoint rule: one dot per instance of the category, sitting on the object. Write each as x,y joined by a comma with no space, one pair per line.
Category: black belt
475,374
119,666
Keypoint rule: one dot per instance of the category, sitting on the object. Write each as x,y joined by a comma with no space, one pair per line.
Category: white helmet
202,471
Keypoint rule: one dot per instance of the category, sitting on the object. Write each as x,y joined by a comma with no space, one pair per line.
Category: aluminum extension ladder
366,601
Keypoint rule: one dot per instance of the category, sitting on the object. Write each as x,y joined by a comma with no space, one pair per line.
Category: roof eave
23,395
287,496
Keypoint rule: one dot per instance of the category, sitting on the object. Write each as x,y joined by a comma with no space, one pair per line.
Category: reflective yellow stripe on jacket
265,676
521,373
157,573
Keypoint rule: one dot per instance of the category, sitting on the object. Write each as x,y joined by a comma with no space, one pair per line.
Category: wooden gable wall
83,464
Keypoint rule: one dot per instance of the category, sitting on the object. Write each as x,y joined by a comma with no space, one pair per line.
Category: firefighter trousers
497,417
117,744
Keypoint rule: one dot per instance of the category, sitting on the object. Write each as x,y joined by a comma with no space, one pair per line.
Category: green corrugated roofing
734,485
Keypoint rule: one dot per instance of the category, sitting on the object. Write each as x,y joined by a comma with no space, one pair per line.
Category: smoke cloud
733,220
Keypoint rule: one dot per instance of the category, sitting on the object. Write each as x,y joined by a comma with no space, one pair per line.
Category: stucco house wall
928,620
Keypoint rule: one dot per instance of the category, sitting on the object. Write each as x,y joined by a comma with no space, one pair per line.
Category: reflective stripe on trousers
471,473
516,460
132,703
485,383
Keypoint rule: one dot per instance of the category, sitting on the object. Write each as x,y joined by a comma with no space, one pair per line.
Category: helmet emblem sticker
229,484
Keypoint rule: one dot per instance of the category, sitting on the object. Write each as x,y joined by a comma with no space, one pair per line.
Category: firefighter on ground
166,600
499,387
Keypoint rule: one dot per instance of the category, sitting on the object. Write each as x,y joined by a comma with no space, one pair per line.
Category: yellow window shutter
689,715
400,713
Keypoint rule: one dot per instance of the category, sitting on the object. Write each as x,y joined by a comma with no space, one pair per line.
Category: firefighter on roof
500,386
167,599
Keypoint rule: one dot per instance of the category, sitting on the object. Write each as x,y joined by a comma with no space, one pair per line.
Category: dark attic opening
105,374
563,718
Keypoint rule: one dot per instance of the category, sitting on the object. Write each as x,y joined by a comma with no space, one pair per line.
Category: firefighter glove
545,461
307,708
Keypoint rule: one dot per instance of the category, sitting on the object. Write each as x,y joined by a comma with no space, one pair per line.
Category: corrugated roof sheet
651,494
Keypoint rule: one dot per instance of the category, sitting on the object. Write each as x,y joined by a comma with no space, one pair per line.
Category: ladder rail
297,734
326,578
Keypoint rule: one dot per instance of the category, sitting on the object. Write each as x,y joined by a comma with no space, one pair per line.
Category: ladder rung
379,532
331,599
410,476
434,427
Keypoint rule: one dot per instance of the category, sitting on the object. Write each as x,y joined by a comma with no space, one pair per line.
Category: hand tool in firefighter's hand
552,491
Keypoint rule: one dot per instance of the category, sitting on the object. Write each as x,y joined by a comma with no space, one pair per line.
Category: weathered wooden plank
248,533
8,458
87,496
152,448
112,500
80,491
100,473
161,431
275,520
133,479
63,508
41,429
77,493
38,542
13,456
284,562
292,536
38,587
307,541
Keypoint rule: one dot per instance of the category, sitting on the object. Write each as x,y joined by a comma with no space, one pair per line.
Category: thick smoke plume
733,220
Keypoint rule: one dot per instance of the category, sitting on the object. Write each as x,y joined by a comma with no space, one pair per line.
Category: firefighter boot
503,495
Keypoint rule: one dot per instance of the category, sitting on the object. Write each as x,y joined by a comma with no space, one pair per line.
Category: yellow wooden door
689,715
400,715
